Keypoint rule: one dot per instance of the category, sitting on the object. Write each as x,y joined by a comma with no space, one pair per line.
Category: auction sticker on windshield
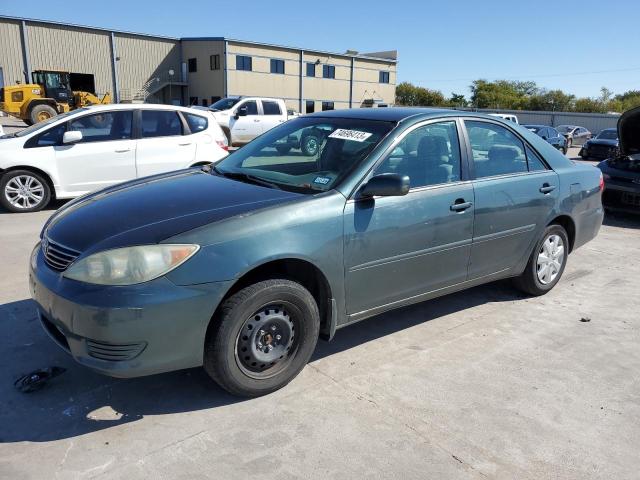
354,135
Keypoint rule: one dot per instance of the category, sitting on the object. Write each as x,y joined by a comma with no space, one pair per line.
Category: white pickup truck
244,118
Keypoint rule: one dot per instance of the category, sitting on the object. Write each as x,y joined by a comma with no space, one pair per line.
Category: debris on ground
37,379
585,319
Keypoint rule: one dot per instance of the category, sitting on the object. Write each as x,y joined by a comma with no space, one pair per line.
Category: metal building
139,67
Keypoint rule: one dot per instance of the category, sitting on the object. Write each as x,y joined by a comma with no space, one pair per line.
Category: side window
196,122
103,127
48,138
496,150
251,106
271,108
429,155
160,123
534,161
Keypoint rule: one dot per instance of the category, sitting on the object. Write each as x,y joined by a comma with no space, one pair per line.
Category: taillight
223,144
601,182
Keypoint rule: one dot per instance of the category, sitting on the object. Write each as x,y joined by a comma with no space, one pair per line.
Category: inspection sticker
354,135
322,180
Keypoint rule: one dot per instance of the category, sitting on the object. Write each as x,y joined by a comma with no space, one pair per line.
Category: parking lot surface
485,383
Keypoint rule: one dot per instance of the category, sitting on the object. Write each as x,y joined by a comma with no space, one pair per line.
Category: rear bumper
621,198
125,331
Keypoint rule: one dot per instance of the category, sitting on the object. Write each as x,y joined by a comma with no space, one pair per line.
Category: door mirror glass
71,137
386,185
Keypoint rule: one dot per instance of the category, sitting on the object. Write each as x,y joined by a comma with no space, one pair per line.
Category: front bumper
126,331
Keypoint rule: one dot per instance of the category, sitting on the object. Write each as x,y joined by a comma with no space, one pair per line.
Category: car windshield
224,104
608,135
564,128
39,126
308,154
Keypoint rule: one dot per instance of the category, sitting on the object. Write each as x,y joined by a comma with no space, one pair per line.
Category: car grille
57,256
115,352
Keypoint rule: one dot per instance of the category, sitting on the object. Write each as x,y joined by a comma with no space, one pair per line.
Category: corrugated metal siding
142,59
11,52
72,49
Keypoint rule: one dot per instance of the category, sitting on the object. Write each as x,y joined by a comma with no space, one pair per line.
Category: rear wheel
40,113
24,191
310,145
547,262
263,338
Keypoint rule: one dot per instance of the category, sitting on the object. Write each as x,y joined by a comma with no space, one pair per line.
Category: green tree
458,100
500,94
551,100
589,105
411,95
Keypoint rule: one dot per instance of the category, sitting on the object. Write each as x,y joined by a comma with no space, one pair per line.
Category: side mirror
71,137
241,112
386,185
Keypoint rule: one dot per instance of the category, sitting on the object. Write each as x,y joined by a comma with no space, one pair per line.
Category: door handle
546,188
256,120
123,150
460,205
184,144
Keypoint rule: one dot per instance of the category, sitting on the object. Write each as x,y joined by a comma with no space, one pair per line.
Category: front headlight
130,265
33,260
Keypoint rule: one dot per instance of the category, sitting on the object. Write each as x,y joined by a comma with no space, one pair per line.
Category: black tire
283,300
41,112
11,179
529,281
565,150
283,149
310,144
227,134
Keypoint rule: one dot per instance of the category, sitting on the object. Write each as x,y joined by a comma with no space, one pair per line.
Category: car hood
603,141
629,132
152,209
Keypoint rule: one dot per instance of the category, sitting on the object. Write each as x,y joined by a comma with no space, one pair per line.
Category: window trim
472,169
465,177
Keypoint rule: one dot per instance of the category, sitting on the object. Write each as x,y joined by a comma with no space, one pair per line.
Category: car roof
129,106
536,125
392,114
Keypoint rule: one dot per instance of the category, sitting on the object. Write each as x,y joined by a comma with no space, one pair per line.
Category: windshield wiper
246,177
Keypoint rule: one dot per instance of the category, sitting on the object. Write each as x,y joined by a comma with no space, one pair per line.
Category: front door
246,127
397,248
514,195
162,146
105,156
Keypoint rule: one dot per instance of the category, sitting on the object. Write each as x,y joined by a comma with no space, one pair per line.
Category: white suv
95,147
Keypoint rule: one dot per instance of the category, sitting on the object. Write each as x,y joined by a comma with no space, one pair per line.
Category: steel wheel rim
42,116
550,259
24,191
267,341
312,145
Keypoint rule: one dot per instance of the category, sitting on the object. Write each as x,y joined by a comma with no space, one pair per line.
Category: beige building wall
142,59
366,82
11,52
204,83
77,50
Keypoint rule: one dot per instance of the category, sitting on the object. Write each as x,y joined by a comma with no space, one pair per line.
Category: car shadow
81,401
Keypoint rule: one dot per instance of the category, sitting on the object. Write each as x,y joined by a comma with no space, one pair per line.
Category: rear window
196,122
271,108
160,123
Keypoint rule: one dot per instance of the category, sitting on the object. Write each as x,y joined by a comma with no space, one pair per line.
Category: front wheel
262,338
547,262
24,191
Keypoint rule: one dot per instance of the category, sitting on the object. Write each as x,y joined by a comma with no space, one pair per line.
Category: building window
328,71
310,106
193,100
327,106
205,102
243,63
193,65
311,69
277,66
384,77
214,62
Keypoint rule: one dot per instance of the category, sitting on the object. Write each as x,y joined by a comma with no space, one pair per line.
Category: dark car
575,135
243,266
551,135
604,145
622,172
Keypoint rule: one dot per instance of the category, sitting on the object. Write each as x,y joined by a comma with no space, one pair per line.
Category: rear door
514,195
105,155
397,248
162,144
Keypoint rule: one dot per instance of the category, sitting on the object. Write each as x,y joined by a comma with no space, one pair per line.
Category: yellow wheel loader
48,95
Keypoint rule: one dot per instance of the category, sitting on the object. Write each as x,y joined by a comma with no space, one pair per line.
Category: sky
577,46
